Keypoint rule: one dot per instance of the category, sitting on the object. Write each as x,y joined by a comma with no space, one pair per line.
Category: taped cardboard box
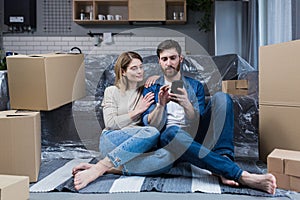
278,128
45,81
295,183
14,187
279,74
235,87
282,180
284,162
285,165
20,143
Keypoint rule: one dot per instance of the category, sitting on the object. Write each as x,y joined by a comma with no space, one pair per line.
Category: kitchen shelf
130,11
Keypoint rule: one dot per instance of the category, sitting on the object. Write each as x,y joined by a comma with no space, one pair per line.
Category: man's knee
168,134
220,98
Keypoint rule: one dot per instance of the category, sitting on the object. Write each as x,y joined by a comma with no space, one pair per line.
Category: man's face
170,62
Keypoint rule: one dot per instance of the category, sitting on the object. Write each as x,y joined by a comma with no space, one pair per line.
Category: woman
123,142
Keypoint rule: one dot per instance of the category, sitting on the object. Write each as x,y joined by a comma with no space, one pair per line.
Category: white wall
141,38
40,45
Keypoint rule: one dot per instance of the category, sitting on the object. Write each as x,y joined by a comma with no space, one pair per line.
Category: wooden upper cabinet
166,11
146,10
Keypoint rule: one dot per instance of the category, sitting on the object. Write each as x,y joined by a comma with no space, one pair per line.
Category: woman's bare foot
265,182
80,167
229,182
114,170
86,173
226,181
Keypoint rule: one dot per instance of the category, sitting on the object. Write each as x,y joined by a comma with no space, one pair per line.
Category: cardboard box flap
48,55
55,54
16,113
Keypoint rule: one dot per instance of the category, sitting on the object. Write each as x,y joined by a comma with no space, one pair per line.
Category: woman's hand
150,81
144,104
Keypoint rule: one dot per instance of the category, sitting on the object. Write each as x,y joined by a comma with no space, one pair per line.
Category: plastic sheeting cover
73,130
4,96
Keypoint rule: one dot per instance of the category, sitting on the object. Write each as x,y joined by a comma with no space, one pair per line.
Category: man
177,116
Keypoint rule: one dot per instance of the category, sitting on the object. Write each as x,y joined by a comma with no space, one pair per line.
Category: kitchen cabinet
177,7
128,11
145,10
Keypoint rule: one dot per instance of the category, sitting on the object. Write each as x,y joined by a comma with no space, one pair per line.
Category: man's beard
173,72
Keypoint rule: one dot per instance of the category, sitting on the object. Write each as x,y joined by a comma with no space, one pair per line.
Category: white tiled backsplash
37,45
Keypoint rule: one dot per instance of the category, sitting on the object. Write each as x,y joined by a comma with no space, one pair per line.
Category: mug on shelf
101,17
110,17
118,17
181,15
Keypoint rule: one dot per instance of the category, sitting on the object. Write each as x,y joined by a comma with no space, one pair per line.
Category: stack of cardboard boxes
279,100
284,165
36,83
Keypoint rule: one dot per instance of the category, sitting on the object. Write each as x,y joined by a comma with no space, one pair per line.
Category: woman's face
134,71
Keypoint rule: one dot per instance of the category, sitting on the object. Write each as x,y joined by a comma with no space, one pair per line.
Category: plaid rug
55,175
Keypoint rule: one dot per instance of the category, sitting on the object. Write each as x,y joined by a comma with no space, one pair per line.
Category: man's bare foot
229,182
265,182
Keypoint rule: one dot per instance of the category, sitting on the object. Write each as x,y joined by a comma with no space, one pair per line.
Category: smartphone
175,85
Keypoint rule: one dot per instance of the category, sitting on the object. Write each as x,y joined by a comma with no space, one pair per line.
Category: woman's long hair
121,66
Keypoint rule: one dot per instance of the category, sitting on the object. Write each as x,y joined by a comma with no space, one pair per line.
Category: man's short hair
168,44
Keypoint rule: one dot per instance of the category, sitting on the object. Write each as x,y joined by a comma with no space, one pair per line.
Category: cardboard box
295,183
292,166
284,162
275,161
279,74
235,87
282,180
20,143
285,165
279,127
45,81
14,187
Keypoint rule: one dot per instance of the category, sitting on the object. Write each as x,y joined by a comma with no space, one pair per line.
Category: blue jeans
211,143
134,150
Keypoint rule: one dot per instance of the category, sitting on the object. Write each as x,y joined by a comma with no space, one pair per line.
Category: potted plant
204,6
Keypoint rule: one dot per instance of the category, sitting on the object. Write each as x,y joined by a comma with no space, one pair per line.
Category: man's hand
182,99
151,81
163,95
